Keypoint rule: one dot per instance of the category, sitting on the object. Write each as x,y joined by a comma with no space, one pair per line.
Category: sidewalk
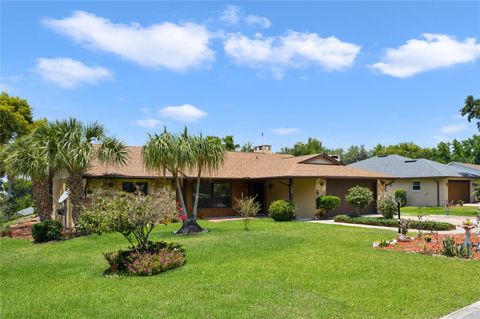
469,312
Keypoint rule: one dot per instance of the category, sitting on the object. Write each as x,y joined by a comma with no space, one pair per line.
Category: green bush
380,221
282,210
388,206
327,204
47,230
359,197
401,195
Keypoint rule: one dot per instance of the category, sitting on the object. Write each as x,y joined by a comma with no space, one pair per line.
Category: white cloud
168,45
292,50
285,130
70,73
231,15
261,21
431,52
184,113
454,128
147,123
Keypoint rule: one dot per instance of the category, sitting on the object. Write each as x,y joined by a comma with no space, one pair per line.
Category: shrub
359,197
282,210
460,202
380,221
47,230
327,204
476,191
159,257
132,215
452,249
248,208
401,195
388,206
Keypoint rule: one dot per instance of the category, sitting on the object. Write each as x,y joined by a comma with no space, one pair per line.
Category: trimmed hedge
282,210
380,221
47,230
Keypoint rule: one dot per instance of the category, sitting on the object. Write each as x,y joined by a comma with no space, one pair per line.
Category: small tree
132,215
359,197
388,206
247,208
401,195
326,204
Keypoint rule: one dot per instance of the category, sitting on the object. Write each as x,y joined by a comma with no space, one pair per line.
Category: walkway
469,312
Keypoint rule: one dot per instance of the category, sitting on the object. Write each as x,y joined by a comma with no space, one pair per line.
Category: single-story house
427,183
262,174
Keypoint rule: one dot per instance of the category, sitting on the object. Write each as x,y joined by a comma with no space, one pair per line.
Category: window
416,186
215,195
132,187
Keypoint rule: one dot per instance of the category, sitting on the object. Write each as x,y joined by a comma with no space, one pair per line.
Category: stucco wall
427,196
276,189
304,195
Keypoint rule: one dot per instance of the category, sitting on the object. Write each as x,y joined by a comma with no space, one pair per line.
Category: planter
468,236
321,213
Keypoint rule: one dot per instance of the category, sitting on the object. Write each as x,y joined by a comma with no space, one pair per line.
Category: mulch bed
419,245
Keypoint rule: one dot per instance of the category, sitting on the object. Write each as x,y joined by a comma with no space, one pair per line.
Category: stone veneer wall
100,187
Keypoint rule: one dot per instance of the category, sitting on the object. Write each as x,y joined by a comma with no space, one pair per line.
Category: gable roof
241,165
404,167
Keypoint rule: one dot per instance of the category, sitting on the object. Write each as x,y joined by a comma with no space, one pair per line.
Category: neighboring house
427,183
262,174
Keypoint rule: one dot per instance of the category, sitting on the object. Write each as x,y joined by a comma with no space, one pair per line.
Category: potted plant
468,226
404,225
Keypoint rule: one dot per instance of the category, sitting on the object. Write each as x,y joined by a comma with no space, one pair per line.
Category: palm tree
209,156
30,156
76,146
168,152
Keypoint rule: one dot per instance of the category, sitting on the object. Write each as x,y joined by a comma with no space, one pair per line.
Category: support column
321,187
290,189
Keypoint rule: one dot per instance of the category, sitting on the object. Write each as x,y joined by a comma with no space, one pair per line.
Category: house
472,168
427,183
263,174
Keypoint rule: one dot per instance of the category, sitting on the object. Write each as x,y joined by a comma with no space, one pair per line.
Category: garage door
458,190
339,187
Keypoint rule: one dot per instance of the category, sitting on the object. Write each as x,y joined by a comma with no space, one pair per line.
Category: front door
257,189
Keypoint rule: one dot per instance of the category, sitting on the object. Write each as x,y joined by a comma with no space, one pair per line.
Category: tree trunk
41,192
197,191
190,226
75,185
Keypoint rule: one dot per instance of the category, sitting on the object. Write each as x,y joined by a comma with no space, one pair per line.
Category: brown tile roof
240,165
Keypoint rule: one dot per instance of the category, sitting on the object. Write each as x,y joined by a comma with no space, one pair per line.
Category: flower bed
430,244
159,257
380,221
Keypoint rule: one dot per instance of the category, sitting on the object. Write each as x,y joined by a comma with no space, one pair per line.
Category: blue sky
343,72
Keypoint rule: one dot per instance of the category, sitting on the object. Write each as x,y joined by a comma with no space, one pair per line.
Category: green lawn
454,211
275,270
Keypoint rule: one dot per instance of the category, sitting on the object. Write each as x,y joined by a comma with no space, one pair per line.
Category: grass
454,211
275,270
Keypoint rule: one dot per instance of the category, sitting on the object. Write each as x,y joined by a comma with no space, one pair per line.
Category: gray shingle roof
470,168
403,167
